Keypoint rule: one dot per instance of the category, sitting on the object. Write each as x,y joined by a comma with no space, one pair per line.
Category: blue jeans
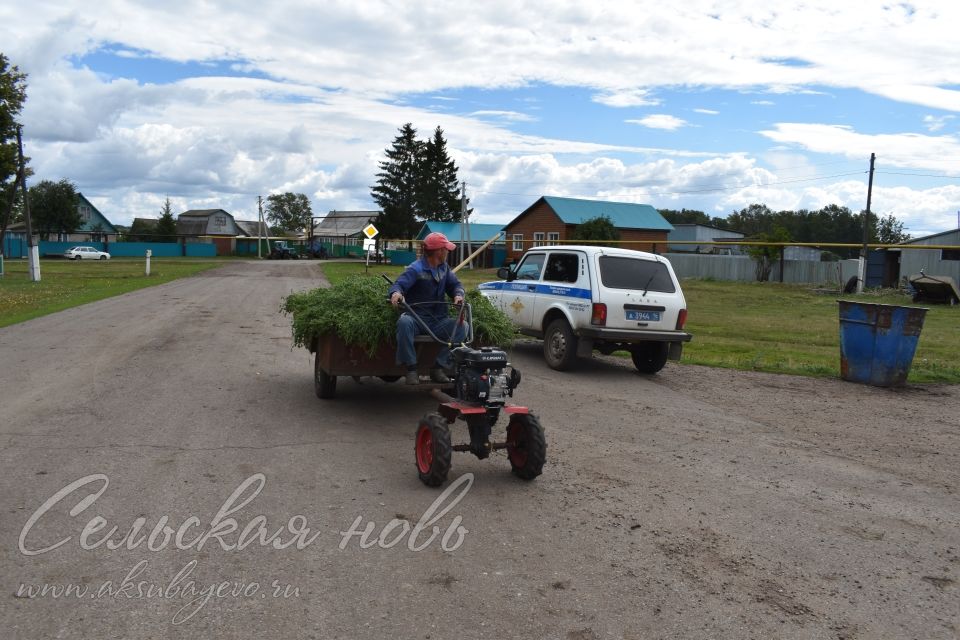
408,328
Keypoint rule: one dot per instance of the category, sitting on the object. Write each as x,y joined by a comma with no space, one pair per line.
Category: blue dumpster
877,342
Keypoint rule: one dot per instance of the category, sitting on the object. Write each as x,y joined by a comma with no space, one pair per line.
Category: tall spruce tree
166,230
396,189
438,194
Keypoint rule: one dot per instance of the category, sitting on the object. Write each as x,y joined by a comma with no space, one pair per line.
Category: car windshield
634,273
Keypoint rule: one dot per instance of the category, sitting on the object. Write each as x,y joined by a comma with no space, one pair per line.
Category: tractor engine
481,377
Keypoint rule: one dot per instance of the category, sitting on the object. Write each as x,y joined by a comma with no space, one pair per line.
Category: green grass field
67,283
772,327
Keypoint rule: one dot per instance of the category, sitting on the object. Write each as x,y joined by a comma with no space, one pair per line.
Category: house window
220,222
84,211
553,237
518,242
538,237
950,254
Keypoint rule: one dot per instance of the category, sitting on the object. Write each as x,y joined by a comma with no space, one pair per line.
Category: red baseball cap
437,240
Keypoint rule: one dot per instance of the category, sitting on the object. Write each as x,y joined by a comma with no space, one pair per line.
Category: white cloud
513,116
326,99
909,150
763,103
626,98
935,123
660,121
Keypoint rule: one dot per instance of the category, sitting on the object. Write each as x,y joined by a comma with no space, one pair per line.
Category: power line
919,175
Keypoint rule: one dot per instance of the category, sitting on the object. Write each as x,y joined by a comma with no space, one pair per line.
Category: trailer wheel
324,385
433,450
526,446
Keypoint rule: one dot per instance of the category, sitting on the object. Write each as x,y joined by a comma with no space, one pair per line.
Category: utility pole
33,250
463,222
862,281
259,224
466,215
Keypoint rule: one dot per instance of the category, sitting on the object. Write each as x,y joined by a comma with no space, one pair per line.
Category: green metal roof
624,215
479,233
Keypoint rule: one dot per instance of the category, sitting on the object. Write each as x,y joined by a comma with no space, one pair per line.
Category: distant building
338,226
551,220
477,234
217,226
94,226
943,262
704,233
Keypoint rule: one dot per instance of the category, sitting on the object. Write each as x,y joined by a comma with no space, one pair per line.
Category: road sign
370,231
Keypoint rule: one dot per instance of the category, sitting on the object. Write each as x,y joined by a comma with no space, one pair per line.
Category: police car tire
557,357
649,357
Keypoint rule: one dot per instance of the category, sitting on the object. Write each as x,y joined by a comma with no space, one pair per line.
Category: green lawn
67,283
771,327
790,329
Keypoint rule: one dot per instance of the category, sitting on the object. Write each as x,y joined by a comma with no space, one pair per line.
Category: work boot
437,375
411,377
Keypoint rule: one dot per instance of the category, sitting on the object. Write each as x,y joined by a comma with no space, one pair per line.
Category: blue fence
17,248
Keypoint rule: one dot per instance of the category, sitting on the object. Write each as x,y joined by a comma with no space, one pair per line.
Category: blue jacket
421,283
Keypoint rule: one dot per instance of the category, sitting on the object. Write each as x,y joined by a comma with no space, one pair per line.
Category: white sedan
85,253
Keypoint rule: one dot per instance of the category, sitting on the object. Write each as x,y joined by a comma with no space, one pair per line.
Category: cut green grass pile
67,283
772,327
356,309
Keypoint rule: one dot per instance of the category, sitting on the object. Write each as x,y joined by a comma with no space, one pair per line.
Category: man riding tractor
426,281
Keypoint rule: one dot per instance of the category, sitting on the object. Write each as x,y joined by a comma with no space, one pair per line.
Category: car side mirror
506,274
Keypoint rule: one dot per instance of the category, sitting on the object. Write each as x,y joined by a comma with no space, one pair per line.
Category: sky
704,105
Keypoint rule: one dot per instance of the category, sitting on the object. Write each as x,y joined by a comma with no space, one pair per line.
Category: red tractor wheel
433,450
526,446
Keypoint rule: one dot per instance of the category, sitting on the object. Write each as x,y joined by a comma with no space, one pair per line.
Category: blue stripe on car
548,289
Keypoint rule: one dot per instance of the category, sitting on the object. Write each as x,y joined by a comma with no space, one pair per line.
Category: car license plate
643,316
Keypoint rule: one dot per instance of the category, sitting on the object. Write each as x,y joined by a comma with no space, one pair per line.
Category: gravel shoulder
698,503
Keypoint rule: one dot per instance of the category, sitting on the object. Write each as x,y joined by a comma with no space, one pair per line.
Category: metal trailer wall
743,268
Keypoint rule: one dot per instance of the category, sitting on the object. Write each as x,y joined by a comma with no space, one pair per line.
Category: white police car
581,298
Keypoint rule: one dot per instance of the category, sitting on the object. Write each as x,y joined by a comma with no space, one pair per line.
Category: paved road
698,503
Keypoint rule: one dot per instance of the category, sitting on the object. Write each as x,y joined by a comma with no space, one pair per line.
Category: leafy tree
599,228
396,189
142,230
438,191
889,230
685,216
13,93
754,220
53,206
832,223
289,211
765,256
166,228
